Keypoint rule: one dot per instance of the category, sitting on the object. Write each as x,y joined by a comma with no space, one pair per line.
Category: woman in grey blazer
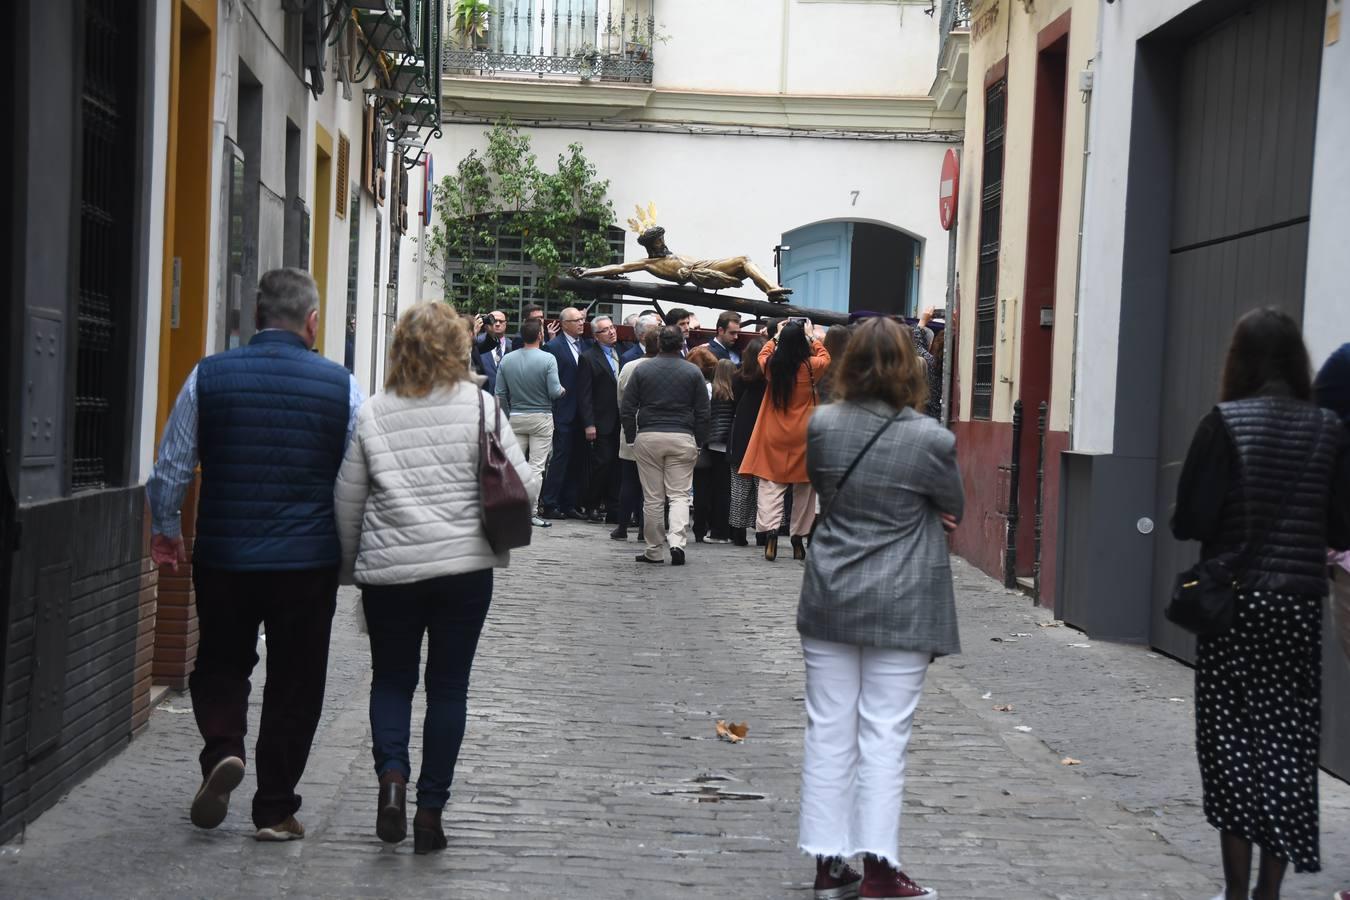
877,605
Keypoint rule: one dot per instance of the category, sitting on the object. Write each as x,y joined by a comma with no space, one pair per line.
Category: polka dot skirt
1258,722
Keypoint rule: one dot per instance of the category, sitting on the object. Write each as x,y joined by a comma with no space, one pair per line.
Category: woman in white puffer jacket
410,521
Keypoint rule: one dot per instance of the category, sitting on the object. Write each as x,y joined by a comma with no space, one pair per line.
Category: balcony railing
609,40
955,17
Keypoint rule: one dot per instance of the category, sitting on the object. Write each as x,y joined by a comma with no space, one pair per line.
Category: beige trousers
1340,607
665,463
769,511
534,433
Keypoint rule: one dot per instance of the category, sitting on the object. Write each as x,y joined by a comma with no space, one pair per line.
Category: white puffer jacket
407,494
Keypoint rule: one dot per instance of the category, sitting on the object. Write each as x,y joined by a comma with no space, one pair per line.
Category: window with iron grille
106,296
991,217
506,252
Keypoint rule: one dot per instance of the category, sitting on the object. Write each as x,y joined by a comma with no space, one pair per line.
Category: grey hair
285,298
645,322
631,319
598,319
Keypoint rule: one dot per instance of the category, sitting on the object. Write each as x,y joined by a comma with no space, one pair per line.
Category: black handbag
1204,597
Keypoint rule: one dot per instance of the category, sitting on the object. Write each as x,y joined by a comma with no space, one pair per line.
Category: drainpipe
1078,264
783,63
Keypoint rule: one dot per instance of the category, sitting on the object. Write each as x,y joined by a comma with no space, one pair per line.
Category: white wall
1326,309
872,48
720,195
154,245
1122,25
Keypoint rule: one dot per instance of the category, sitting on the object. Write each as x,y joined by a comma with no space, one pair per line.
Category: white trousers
860,704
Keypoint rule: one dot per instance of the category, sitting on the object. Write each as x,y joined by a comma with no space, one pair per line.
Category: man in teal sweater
527,385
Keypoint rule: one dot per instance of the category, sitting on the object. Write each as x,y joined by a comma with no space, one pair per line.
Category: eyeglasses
499,321
604,330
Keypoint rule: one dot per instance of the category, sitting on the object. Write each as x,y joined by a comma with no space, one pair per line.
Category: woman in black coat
747,388
1267,470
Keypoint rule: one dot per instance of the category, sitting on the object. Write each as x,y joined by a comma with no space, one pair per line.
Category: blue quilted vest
272,429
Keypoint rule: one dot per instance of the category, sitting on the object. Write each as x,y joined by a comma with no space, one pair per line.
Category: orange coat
777,450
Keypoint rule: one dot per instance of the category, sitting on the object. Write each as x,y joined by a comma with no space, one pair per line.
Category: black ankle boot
760,538
427,833
738,537
391,819
771,547
798,547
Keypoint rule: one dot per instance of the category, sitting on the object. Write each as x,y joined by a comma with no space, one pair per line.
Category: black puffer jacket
1257,458
719,423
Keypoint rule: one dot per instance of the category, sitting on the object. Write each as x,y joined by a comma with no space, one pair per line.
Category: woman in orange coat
793,363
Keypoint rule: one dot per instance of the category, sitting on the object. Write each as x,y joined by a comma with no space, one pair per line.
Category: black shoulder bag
1204,597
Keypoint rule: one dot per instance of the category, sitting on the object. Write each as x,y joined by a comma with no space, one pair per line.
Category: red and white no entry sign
949,189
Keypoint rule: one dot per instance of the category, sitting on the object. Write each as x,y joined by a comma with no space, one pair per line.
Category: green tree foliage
503,192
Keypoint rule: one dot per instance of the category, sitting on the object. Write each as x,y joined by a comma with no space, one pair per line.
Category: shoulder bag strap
838,488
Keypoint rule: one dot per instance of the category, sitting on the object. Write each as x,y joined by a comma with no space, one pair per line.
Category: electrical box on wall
1047,317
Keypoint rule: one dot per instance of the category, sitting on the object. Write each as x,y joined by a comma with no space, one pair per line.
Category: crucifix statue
709,274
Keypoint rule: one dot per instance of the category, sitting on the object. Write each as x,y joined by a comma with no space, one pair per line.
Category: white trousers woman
860,704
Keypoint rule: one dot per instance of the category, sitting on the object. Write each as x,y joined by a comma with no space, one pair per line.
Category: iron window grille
991,218
611,40
107,208
506,252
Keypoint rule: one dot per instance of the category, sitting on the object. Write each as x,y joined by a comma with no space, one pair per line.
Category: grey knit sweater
667,394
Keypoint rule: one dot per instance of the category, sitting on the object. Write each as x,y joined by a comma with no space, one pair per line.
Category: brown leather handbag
504,502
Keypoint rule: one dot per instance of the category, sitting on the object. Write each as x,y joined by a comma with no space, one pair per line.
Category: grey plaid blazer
878,573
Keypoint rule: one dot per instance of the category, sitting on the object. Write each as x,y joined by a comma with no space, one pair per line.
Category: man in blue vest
269,423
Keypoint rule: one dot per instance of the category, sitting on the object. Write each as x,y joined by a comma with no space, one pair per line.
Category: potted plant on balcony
588,62
471,19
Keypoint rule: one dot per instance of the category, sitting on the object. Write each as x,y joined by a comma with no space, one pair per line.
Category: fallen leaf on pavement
1005,707
988,695
1176,699
1083,646
1019,634
1023,728
1070,761
1002,640
733,733
1054,624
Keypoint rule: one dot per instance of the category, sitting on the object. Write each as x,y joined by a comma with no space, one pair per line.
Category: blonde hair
430,350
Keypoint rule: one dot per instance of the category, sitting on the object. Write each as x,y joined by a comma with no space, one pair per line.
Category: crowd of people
729,461
824,435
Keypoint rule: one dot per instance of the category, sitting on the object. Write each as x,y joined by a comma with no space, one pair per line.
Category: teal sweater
527,382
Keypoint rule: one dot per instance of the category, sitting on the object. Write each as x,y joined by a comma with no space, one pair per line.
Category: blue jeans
450,611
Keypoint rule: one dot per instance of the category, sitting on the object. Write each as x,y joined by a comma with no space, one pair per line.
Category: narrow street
591,768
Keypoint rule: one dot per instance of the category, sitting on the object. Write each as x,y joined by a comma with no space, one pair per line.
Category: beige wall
1012,35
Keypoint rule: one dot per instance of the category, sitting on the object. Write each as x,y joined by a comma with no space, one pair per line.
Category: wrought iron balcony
955,16
586,40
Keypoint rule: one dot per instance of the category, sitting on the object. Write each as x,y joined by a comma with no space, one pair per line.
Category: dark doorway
1038,305
884,275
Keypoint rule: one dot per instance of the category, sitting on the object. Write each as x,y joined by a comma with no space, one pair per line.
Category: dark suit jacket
488,365
597,392
717,349
565,407
635,352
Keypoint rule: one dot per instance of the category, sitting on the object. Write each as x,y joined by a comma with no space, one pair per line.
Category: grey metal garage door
1240,203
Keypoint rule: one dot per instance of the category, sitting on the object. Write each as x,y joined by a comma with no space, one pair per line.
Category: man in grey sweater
665,418
527,385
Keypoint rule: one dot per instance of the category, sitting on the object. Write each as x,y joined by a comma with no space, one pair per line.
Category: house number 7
855,196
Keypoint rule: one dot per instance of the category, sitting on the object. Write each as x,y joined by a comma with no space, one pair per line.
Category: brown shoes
289,830
427,834
213,797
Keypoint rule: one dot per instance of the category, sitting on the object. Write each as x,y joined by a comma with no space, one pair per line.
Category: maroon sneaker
835,879
885,882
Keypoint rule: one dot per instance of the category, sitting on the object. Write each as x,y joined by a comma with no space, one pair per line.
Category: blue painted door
817,268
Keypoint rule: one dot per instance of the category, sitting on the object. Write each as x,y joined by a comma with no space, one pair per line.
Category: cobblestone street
591,769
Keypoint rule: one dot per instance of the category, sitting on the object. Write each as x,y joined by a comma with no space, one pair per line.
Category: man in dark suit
646,321
567,469
723,346
682,319
492,344
598,417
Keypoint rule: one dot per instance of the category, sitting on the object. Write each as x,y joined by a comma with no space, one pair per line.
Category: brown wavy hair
431,350
1266,355
703,358
880,363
